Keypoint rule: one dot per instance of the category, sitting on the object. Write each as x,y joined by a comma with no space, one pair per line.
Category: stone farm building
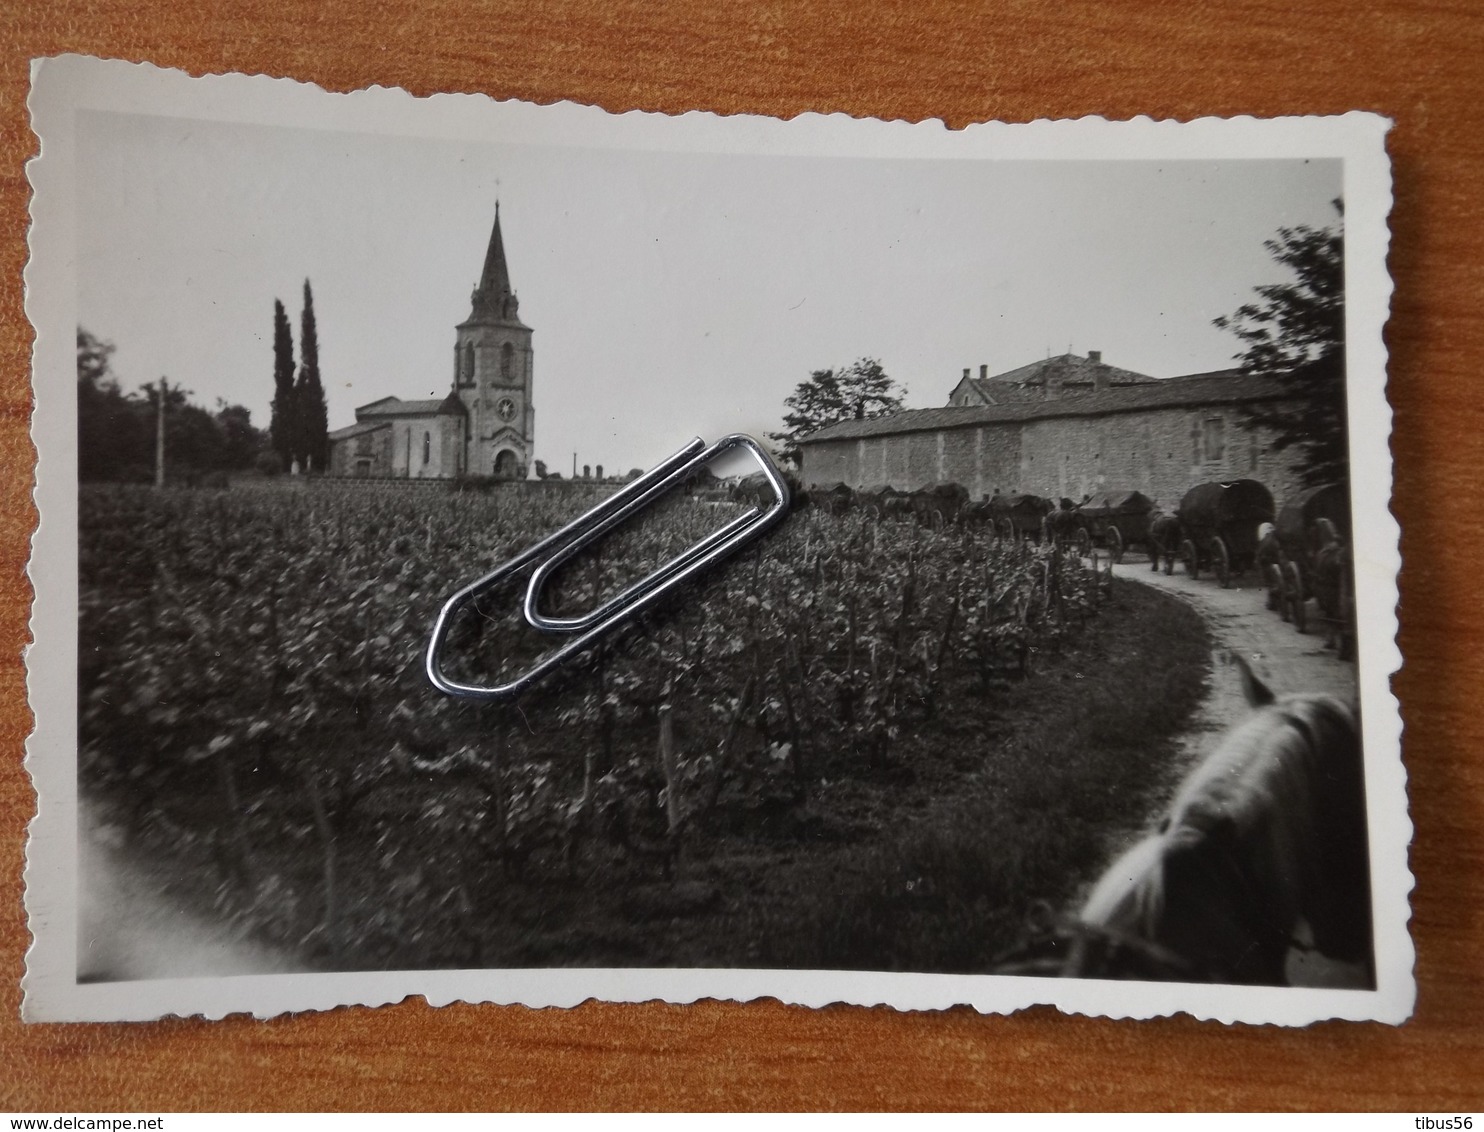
1063,427
485,426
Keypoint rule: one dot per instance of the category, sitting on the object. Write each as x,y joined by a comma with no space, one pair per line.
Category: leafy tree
116,430
314,417
859,391
1296,334
93,369
240,441
114,436
194,441
284,423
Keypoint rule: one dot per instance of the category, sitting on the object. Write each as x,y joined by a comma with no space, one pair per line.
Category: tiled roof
357,429
1066,369
396,407
1220,388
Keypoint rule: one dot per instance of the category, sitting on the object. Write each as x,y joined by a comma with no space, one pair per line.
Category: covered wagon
1218,524
836,498
874,497
1019,516
939,503
1115,520
1064,521
1313,559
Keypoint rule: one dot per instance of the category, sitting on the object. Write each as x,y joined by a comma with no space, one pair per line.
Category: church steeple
493,298
492,364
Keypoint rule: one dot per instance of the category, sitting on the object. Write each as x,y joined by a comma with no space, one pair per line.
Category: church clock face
505,408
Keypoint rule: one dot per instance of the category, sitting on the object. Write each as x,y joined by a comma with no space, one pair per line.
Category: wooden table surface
1421,63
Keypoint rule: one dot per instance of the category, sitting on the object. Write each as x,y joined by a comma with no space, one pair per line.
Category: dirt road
1283,658
1239,621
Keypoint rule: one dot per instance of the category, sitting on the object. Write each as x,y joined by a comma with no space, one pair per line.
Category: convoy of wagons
1300,551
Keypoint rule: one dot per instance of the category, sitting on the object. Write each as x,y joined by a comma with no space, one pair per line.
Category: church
485,426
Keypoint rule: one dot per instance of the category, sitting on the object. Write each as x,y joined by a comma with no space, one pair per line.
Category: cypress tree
283,428
314,416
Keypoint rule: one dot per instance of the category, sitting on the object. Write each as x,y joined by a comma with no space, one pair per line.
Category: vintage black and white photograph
1050,664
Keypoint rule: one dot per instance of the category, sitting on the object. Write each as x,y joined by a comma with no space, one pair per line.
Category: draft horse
1261,852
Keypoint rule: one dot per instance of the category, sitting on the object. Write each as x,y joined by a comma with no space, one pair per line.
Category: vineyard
864,743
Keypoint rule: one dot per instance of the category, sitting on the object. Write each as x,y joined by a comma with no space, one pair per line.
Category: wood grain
1418,62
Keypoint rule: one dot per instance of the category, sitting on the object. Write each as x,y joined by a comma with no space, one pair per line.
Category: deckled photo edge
51,989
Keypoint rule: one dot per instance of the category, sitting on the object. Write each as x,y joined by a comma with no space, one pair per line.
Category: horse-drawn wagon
1019,516
1064,521
873,498
836,498
1218,524
939,503
1164,540
1312,533
1115,520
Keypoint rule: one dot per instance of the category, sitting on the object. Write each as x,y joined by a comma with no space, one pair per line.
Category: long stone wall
1160,452
984,458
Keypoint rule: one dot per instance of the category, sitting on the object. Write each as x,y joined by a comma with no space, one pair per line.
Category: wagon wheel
1084,543
1221,562
1297,596
1277,599
1006,528
1114,539
1188,556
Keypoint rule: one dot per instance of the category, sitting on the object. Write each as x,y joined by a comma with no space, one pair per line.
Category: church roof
495,278
494,299
360,428
1217,388
396,407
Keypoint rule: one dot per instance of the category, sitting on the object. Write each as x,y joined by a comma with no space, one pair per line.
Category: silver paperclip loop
548,554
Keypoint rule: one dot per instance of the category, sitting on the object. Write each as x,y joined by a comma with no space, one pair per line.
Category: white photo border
65,85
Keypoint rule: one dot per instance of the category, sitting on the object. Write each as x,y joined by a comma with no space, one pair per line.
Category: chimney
1095,357
1099,371
983,373
966,373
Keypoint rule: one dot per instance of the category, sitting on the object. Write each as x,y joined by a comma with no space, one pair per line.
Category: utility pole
574,465
160,436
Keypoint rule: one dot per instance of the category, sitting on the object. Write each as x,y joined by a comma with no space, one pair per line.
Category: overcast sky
672,294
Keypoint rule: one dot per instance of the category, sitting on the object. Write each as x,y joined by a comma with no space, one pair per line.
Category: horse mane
1275,760
1130,894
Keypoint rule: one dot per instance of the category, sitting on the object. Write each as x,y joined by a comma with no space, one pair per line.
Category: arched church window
468,372
427,447
507,361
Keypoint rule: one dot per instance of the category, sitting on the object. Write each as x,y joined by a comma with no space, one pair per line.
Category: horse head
1263,843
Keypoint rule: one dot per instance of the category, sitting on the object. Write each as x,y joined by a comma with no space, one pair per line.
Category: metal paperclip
548,554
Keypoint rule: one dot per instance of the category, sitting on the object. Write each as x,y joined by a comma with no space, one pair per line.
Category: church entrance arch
507,467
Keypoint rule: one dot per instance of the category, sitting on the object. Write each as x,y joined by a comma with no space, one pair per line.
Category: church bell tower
492,373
